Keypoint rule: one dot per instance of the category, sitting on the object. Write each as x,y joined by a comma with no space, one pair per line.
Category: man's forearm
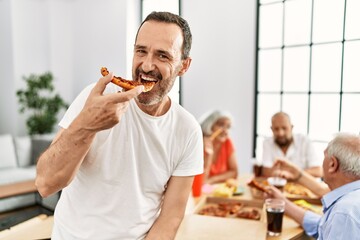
58,165
315,171
319,188
164,228
293,211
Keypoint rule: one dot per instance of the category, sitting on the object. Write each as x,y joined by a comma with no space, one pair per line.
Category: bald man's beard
283,142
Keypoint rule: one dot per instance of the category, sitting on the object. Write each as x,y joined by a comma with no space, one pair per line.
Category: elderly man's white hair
346,148
208,119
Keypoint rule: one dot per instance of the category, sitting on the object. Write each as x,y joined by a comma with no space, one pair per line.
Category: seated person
341,218
220,161
296,148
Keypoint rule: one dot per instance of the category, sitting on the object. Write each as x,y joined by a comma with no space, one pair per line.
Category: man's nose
148,63
281,132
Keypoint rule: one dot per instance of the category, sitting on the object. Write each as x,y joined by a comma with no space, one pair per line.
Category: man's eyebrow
163,52
140,46
166,53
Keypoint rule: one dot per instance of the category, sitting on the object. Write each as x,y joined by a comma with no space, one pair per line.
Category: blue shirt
341,219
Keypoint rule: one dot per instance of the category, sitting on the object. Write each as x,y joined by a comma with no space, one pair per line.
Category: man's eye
162,56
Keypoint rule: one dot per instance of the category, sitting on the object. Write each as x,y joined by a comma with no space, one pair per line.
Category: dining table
193,227
200,227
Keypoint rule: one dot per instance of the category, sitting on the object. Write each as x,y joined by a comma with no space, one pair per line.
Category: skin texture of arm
58,165
315,171
172,210
319,188
208,156
232,172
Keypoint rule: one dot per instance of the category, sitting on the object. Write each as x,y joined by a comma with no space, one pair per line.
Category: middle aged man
341,219
296,148
125,161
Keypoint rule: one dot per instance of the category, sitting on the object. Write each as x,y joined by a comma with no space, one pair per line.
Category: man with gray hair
341,167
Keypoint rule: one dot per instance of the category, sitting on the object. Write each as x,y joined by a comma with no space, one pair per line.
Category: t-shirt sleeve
75,107
192,162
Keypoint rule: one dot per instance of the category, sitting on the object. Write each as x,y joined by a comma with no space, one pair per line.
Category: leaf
39,99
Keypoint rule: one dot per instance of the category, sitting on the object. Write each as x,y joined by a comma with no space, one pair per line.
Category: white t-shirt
118,190
301,152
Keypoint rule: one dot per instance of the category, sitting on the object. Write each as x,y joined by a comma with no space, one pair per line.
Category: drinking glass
274,215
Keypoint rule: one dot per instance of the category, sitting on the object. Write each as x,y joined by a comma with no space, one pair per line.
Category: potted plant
39,99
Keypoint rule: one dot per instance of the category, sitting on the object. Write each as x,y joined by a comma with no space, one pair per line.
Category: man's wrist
298,177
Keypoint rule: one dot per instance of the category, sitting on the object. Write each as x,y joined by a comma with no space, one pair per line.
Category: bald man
285,145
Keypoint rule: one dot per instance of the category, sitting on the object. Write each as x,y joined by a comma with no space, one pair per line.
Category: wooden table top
39,227
19,188
200,227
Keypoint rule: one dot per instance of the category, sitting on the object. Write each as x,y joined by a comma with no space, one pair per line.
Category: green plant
40,100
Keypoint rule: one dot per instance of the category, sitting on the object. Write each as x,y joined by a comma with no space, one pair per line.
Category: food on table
213,210
297,189
223,190
228,209
259,185
231,183
249,213
308,206
127,84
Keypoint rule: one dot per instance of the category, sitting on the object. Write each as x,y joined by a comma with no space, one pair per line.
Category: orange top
221,164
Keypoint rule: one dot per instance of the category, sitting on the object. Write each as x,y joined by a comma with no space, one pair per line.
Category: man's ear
334,165
185,66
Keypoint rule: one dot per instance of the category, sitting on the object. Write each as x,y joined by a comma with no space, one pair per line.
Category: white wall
223,68
73,39
8,111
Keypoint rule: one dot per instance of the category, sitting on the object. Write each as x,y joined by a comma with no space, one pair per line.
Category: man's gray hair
346,148
208,119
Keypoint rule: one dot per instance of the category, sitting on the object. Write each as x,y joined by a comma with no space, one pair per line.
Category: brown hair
168,17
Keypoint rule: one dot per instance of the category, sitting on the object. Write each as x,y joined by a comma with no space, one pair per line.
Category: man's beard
152,98
149,100
283,142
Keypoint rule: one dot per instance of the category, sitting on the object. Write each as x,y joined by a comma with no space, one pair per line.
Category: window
308,58
172,6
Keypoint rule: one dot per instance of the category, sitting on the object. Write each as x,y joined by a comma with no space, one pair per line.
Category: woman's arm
232,171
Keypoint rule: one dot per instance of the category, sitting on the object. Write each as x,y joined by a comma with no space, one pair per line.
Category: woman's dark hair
168,17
